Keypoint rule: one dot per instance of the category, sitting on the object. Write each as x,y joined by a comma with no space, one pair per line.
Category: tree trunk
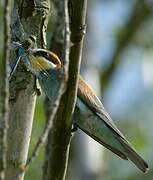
28,18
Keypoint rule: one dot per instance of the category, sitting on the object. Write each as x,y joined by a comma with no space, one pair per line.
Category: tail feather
133,156
111,148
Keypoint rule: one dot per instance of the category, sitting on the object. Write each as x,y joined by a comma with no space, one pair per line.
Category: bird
89,114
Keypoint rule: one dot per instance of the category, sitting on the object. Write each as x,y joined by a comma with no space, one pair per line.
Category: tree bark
28,18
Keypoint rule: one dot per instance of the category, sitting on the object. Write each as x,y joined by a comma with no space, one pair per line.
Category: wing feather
87,95
89,98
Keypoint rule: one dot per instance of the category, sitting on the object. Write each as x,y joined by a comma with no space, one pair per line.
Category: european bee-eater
89,115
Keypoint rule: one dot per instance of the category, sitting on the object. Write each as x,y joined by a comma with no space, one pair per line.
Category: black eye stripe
50,56
42,54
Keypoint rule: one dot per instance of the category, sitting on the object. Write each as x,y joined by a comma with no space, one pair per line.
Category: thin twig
44,135
5,90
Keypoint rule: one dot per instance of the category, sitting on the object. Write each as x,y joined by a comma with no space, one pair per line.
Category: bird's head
38,61
42,60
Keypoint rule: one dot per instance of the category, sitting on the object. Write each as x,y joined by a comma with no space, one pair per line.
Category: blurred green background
118,63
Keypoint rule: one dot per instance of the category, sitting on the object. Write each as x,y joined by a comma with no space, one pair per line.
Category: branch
59,139
4,95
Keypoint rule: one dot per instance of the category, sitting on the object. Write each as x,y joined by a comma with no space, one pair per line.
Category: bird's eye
29,42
